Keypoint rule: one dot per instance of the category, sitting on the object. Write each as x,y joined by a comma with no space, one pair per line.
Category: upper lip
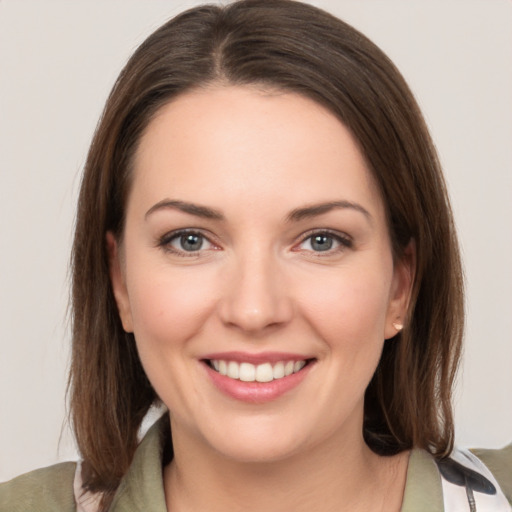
255,358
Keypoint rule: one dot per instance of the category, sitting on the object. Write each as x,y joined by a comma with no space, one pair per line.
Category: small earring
398,325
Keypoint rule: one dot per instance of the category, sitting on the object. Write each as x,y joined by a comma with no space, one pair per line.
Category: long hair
294,47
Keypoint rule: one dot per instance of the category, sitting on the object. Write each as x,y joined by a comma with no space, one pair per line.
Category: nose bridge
255,296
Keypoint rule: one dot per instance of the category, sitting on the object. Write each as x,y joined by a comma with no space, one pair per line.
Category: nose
255,298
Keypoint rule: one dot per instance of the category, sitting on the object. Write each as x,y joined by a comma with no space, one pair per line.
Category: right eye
185,243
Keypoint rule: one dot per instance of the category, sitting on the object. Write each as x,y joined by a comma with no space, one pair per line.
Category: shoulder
45,490
499,463
482,478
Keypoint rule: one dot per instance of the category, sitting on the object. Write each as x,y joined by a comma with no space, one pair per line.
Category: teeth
298,366
278,371
247,372
233,370
265,372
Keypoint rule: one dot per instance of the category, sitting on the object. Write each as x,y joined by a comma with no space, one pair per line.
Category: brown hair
290,46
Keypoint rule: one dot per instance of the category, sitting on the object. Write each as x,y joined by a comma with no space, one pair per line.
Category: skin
259,284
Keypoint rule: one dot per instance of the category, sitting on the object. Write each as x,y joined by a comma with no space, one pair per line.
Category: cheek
168,307
348,308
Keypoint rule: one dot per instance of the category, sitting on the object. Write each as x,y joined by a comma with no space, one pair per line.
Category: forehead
232,142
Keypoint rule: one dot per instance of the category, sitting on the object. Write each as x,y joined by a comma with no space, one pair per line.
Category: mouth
264,372
257,378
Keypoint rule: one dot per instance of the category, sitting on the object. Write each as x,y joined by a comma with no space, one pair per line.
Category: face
256,272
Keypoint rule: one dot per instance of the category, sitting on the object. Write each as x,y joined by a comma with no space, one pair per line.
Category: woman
264,244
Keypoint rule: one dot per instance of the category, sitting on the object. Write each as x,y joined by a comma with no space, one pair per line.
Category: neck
341,475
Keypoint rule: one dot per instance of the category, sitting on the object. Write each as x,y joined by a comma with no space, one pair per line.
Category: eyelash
344,241
165,242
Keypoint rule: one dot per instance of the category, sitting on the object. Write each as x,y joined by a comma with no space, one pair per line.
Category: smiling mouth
265,372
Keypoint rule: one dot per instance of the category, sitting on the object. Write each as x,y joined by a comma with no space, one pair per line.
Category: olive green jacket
51,489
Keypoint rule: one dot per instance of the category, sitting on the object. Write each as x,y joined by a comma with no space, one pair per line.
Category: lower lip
256,392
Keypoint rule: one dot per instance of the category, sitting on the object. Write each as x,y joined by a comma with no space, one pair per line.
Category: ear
117,279
401,288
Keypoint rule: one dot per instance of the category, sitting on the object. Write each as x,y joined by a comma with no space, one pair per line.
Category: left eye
323,242
189,242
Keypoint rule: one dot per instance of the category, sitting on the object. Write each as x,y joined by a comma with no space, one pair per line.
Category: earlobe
118,283
403,280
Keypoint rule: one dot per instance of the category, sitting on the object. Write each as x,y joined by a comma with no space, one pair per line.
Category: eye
183,242
321,242
325,242
189,242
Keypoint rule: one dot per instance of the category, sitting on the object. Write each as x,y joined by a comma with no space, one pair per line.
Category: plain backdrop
58,61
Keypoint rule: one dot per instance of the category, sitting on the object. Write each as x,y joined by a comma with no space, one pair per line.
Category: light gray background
58,60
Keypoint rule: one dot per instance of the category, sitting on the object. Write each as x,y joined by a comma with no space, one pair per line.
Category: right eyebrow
193,209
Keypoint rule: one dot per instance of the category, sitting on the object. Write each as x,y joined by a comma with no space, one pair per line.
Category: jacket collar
142,487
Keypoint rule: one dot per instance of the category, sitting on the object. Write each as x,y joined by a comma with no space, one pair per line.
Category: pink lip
257,392
260,358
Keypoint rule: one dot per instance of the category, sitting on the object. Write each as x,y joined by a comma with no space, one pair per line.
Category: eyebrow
321,208
190,208
295,215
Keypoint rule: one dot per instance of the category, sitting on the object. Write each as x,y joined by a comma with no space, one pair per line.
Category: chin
256,450
256,440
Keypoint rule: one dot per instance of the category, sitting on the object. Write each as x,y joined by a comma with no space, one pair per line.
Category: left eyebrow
321,208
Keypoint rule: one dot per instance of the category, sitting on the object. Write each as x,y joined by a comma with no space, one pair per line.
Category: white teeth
278,370
247,372
233,370
288,369
298,366
264,372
